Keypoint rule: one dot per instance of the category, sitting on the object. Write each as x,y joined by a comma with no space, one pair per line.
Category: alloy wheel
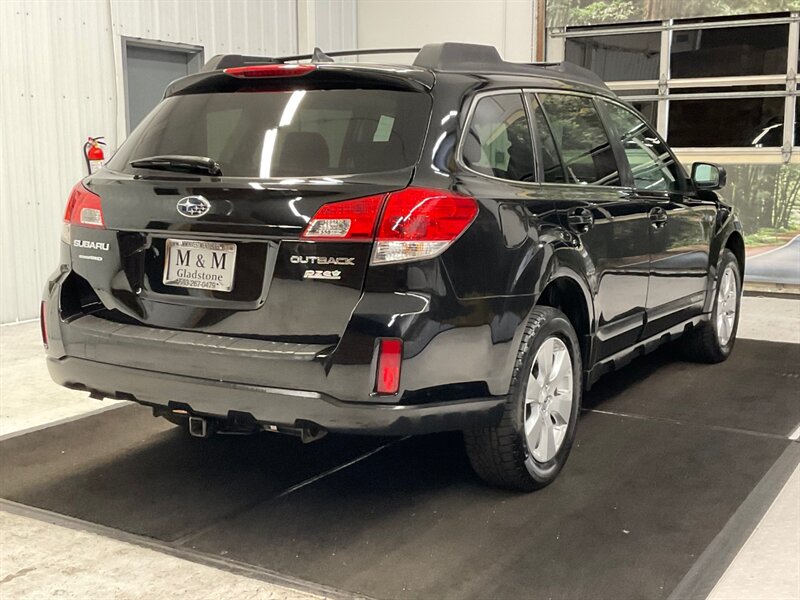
548,399
727,296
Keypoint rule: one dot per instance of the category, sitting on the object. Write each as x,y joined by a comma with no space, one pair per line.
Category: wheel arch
735,243
567,292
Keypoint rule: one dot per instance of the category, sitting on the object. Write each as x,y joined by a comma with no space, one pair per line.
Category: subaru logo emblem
193,206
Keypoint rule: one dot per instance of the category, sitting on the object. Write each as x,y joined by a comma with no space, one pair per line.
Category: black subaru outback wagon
460,244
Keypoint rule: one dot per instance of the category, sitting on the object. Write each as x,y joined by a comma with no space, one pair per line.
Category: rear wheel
530,445
713,341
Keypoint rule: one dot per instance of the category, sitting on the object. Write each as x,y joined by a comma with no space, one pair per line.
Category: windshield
300,133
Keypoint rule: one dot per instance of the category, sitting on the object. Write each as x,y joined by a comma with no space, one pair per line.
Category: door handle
658,217
580,220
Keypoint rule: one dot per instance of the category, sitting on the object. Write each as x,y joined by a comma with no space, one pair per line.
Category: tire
500,455
713,340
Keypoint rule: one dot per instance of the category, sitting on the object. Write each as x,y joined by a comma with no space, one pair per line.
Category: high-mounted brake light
346,220
279,70
421,223
387,377
84,208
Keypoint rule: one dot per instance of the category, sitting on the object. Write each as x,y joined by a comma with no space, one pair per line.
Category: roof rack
446,56
226,61
454,56
572,69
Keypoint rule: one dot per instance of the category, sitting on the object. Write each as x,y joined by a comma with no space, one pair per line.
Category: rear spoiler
446,56
226,61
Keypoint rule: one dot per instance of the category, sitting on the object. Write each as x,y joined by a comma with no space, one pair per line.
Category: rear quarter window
497,141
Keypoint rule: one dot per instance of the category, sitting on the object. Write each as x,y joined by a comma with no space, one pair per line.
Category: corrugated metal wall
61,80
335,24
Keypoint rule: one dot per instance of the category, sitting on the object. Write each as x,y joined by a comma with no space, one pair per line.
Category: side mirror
708,176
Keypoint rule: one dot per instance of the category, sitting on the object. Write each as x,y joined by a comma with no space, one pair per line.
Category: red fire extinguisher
93,153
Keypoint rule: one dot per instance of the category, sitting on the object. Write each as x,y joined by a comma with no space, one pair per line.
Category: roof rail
572,69
225,61
454,56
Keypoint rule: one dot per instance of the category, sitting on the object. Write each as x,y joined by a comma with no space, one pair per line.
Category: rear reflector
387,378
347,220
43,323
270,70
421,223
84,208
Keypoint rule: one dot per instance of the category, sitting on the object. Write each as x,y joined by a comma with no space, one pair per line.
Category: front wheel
530,445
712,341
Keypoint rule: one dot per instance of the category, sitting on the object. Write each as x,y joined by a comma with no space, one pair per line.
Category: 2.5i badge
312,274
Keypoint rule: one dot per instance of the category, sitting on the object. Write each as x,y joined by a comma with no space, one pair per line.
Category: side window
498,140
581,138
652,165
546,145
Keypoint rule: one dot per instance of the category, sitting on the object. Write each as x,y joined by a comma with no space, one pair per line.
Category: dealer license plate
204,265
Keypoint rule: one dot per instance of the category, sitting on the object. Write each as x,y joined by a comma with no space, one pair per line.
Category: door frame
195,55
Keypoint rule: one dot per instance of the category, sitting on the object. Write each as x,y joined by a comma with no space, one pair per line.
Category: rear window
300,133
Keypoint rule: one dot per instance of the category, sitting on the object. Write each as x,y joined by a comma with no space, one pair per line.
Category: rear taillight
387,377
416,223
347,220
43,322
420,223
84,208
278,70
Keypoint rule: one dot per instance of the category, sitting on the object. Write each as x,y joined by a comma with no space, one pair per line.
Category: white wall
505,24
61,80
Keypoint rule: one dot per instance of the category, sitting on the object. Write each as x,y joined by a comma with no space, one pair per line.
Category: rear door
610,226
680,226
225,253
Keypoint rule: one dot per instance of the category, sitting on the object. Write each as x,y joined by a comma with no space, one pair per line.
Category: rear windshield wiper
176,162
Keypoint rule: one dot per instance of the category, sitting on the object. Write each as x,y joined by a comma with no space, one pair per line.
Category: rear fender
560,263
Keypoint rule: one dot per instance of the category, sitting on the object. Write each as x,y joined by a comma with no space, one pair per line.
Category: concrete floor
768,565
28,398
40,559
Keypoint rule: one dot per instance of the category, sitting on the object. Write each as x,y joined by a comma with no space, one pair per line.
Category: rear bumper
270,406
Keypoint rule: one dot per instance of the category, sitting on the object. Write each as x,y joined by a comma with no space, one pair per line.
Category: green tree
786,195
765,196
588,12
603,11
